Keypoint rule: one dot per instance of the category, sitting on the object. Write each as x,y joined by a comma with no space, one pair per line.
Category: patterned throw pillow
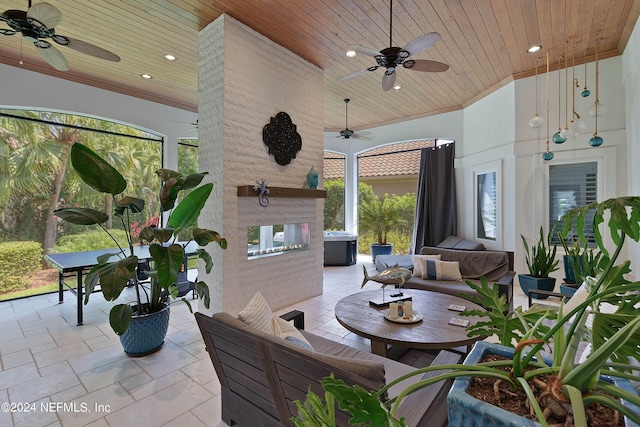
417,265
441,270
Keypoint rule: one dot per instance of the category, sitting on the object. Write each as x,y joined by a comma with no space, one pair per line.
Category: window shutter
571,186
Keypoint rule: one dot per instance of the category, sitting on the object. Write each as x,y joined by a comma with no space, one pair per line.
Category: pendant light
596,140
557,137
585,92
565,133
577,126
547,155
598,108
537,120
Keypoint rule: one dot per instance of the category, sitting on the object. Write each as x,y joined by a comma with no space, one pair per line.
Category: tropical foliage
36,177
167,254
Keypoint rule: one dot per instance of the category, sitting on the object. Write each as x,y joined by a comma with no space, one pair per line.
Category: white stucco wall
631,81
239,91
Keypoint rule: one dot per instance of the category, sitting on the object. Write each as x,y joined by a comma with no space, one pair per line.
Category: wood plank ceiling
483,41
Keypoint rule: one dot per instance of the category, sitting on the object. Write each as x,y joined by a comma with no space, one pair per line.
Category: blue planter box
467,411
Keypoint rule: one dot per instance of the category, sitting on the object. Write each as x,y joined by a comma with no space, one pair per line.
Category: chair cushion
473,264
455,242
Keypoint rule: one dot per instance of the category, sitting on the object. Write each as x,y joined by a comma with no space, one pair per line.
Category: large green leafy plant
167,254
614,337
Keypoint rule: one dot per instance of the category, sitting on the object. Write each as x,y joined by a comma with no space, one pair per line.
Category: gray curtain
436,210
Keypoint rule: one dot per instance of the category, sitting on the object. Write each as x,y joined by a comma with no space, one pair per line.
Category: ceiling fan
37,24
393,57
347,133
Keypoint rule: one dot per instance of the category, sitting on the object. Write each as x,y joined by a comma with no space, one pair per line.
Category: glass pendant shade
600,109
596,141
565,133
547,155
586,92
577,127
558,138
536,121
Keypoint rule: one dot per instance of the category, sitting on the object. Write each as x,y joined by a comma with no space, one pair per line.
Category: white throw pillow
287,331
417,266
258,314
441,270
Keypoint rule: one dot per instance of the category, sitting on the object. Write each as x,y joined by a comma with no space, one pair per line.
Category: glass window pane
486,209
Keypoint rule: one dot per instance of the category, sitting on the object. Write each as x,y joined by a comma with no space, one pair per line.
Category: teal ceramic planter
529,282
145,334
467,411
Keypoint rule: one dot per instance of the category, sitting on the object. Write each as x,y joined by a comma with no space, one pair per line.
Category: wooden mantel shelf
295,193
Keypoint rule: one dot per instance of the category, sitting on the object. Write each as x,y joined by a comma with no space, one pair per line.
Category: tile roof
390,160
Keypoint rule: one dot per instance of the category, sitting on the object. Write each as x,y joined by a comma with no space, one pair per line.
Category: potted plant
541,261
151,303
571,385
580,262
379,216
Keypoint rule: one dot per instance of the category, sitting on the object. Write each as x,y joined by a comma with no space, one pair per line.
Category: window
572,185
334,167
486,206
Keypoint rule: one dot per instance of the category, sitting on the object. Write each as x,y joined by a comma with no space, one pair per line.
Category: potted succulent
115,271
571,385
379,216
541,261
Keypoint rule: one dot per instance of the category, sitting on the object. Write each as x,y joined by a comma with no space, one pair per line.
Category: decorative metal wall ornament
282,138
261,186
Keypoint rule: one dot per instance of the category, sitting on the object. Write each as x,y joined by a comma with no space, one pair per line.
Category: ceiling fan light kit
393,57
37,24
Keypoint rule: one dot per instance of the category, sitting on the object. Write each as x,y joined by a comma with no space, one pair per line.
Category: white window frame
491,167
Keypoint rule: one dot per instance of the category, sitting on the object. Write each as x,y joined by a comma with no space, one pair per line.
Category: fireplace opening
268,240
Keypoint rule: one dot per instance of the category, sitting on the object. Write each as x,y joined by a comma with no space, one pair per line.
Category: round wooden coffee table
433,332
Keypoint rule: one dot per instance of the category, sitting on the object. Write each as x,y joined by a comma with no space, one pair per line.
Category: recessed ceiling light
170,57
146,76
351,53
397,87
534,49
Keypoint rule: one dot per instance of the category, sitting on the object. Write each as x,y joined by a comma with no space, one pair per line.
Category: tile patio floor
60,374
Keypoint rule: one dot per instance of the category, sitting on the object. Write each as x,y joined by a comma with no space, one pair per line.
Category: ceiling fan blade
93,50
44,14
426,65
357,73
364,50
388,80
421,43
360,137
52,55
